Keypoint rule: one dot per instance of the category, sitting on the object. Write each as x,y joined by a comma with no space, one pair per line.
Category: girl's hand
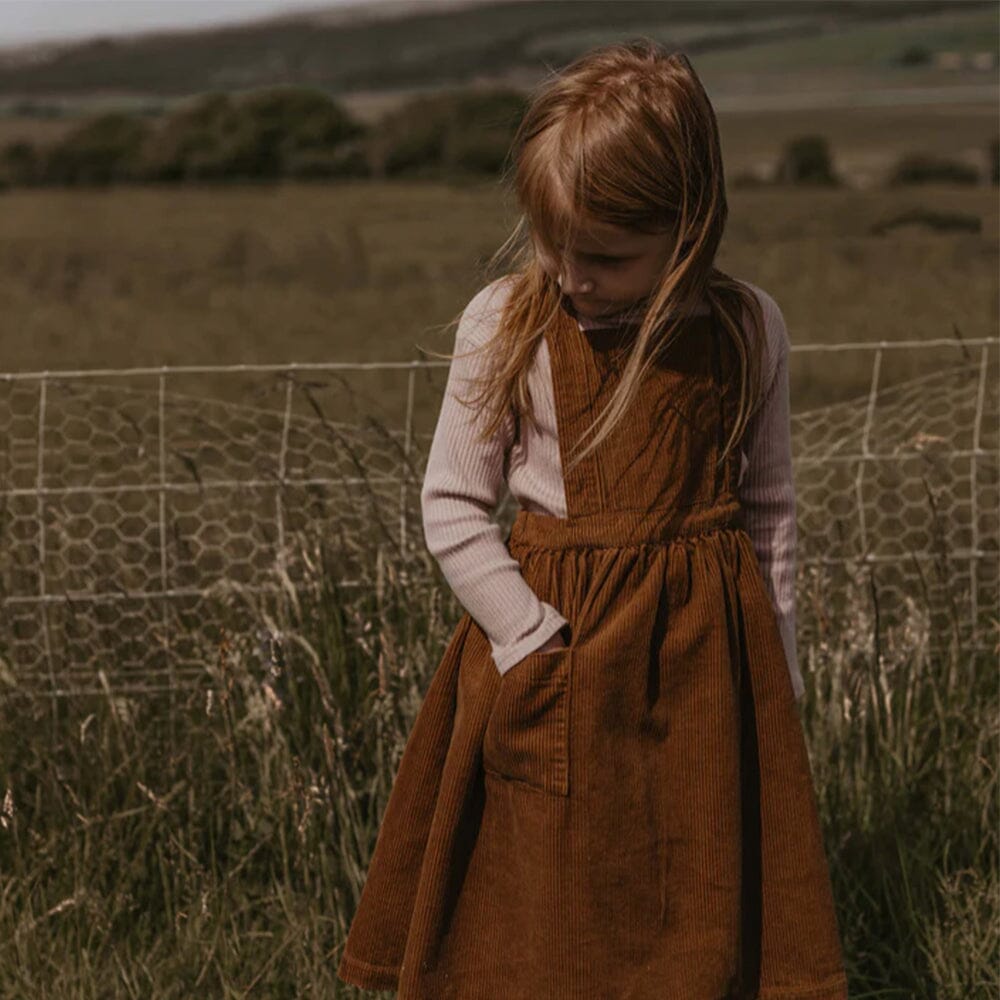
555,641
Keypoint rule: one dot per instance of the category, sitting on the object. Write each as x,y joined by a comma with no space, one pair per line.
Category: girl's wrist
558,640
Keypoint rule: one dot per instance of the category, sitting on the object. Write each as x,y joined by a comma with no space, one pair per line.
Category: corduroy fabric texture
632,817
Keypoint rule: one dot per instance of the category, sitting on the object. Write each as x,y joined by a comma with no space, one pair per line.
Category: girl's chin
606,310
593,310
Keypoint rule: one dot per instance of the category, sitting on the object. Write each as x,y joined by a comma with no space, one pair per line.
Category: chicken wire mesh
129,500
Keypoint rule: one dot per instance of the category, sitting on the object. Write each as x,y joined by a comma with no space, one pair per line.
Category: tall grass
219,849
222,855
903,727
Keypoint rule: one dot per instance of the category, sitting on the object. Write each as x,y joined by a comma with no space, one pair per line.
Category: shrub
458,131
349,159
299,124
102,150
806,160
267,134
410,139
207,139
20,163
914,55
920,168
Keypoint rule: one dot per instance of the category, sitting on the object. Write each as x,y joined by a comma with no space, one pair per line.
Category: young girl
606,793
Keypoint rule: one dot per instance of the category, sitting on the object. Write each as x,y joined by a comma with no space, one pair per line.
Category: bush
102,150
914,55
283,132
477,150
458,131
20,164
920,168
298,123
349,159
410,139
268,134
806,160
208,139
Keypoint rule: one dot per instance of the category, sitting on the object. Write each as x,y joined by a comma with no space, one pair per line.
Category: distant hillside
397,47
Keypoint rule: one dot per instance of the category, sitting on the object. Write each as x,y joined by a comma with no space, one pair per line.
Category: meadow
214,842
375,272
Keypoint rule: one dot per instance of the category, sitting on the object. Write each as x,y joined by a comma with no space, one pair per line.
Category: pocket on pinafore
526,739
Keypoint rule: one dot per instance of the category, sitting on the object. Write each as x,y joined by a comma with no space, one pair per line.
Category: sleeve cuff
505,656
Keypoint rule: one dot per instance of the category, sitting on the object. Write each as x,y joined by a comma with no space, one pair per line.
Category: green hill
429,48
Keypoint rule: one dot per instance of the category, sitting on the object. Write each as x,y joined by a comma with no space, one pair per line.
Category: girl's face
609,268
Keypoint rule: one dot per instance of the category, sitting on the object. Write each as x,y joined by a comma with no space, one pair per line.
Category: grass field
373,273
215,845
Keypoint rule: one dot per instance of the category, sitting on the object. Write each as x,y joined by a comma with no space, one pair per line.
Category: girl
606,793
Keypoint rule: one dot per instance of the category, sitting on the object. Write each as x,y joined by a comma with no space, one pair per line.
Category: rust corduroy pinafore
632,817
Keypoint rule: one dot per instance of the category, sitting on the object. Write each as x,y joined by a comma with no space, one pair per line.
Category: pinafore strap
660,461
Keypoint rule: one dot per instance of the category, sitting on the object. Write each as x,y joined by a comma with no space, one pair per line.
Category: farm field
366,271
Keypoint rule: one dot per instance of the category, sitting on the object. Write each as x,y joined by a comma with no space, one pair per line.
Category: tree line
302,133
283,132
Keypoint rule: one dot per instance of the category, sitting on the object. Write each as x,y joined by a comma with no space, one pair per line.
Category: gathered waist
621,528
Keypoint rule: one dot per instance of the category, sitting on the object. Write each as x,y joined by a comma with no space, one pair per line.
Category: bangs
549,175
564,181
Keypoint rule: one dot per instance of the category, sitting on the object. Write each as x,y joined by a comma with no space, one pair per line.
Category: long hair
625,135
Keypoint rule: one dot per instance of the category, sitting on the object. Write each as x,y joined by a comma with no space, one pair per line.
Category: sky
23,22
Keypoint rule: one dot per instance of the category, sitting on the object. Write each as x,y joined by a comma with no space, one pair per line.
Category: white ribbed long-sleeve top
464,481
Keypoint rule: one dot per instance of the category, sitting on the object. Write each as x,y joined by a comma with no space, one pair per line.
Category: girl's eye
551,257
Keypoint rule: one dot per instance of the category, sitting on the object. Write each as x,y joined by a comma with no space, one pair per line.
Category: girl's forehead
606,234
561,219
598,236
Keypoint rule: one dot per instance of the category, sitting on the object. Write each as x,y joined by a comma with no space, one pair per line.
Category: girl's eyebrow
607,256
607,252
602,253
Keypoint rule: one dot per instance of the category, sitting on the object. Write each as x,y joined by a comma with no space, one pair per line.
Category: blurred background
229,234
322,185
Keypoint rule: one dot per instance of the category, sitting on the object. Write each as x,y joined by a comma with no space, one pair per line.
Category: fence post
866,451
164,582
282,460
974,506
40,506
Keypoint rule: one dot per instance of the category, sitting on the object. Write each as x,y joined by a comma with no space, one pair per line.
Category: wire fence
129,497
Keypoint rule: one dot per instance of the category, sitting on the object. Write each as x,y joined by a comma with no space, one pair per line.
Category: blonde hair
625,135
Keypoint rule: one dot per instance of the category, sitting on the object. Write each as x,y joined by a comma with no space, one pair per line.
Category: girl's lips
588,309
597,312
602,311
